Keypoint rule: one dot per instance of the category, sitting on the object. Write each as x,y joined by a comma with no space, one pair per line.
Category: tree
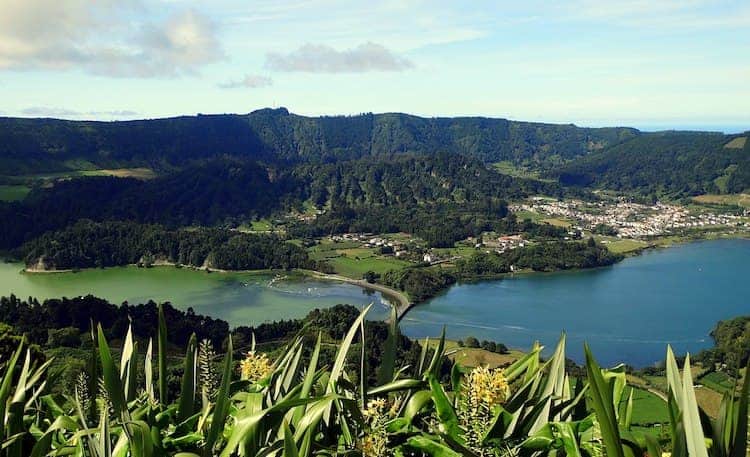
471,342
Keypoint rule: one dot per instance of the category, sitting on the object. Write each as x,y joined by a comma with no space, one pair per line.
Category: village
628,219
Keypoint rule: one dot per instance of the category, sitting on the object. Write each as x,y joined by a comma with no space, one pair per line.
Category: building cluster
368,240
505,243
630,220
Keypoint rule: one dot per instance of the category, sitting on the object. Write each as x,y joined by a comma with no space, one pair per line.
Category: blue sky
651,64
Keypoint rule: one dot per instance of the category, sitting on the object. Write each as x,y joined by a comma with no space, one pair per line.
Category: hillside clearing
728,199
737,143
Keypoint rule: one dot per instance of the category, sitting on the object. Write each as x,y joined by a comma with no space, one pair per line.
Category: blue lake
627,313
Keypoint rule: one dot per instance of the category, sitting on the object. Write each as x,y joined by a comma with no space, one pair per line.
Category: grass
709,400
648,408
534,216
351,260
728,199
507,167
138,173
618,246
262,225
719,382
474,357
557,222
737,143
13,193
355,267
461,251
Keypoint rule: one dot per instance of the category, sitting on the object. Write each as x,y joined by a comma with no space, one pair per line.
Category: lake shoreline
397,298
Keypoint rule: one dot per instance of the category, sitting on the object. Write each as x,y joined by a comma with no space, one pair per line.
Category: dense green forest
364,195
43,145
89,244
665,164
538,257
731,343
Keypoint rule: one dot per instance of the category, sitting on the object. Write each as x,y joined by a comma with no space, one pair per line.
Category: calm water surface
628,312
239,298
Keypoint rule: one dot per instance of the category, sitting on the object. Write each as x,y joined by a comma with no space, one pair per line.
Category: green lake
239,298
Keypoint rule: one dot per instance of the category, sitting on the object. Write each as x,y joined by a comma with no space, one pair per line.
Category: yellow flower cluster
255,367
375,408
377,413
486,388
375,445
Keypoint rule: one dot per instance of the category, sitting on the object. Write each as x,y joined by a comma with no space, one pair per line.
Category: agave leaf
696,441
567,435
221,409
625,419
437,357
388,363
673,375
162,356
431,447
395,386
290,447
6,385
362,366
521,365
416,403
601,401
444,409
739,446
111,379
338,365
246,429
309,378
148,370
188,389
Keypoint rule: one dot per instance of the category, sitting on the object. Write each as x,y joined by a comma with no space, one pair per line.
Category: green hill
48,145
666,163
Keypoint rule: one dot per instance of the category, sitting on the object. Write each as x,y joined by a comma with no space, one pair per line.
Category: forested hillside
229,192
43,145
667,163
212,193
88,244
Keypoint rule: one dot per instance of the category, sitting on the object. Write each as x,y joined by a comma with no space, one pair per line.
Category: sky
651,64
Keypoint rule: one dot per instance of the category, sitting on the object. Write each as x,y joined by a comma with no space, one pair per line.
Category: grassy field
648,408
619,246
508,168
737,143
719,382
13,193
728,199
557,222
535,217
474,357
351,260
462,251
138,173
263,225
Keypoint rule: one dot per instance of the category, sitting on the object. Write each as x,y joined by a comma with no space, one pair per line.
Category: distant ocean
728,129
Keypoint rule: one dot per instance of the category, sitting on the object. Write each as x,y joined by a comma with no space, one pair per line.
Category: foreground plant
293,406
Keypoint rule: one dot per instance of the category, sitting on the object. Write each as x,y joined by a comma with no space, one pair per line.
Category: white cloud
312,58
46,111
249,81
103,37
